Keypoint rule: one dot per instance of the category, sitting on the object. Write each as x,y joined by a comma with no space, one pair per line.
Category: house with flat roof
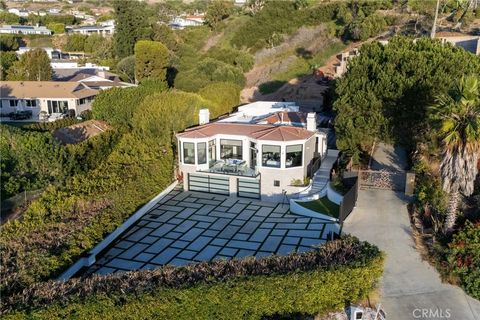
106,28
19,29
182,22
265,150
50,97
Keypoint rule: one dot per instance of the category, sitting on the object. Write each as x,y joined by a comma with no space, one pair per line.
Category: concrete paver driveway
410,288
187,227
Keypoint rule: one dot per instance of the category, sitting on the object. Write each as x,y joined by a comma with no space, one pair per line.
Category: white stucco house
51,97
19,29
106,28
182,22
261,151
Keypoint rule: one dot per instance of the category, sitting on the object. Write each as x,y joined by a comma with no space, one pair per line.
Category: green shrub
56,27
9,42
117,105
224,95
341,271
237,58
386,90
30,160
463,255
151,60
207,71
362,29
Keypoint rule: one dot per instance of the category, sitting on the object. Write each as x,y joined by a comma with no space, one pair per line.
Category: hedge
341,271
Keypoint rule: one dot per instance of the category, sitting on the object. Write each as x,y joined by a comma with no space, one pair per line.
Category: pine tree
131,26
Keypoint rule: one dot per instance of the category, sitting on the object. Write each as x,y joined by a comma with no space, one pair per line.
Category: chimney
102,74
203,116
312,121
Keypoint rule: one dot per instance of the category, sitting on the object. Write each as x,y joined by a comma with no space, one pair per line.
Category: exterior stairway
322,176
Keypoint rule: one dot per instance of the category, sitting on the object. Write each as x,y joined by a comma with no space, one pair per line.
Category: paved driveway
409,285
190,227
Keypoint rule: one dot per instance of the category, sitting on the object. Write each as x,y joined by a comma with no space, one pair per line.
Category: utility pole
432,34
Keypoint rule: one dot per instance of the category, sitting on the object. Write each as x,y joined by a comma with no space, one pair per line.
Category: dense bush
236,58
338,272
463,255
386,90
224,95
30,160
362,29
56,27
7,59
207,71
9,42
117,105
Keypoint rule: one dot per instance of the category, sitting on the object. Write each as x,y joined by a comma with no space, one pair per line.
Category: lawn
322,205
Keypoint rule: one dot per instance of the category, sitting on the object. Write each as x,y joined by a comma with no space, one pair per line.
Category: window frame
264,163
301,156
204,152
183,152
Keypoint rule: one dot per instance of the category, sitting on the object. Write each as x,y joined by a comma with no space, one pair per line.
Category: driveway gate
209,183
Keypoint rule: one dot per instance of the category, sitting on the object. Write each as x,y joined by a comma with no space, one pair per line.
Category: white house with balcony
264,150
50,98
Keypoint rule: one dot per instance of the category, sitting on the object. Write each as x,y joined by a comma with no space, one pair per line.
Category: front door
253,155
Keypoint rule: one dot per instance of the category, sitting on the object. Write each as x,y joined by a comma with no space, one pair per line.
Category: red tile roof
286,117
256,131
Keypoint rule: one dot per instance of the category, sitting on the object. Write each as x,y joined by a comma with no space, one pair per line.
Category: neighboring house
52,97
186,21
106,28
19,29
51,52
19,12
250,153
92,77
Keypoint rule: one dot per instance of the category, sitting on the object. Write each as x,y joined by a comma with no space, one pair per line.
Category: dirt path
303,88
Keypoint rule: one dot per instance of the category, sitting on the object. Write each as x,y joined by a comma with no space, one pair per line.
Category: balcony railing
233,167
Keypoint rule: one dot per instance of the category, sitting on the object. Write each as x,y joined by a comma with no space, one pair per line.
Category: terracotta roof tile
256,131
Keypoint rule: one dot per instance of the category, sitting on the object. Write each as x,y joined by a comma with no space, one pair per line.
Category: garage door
248,188
209,183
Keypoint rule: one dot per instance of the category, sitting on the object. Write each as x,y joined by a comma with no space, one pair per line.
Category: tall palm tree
458,117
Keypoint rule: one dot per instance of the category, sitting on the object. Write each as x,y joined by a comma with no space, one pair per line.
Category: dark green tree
151,60
9,42
387,89
33,65
217,11
131,26
126,69
165,35
7,59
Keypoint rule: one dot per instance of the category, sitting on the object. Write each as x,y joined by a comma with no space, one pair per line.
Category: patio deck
188,227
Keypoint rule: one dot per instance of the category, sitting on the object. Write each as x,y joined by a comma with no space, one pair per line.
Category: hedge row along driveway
313,282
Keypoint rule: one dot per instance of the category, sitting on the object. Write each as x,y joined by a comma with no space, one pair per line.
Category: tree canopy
387,89
130,27
34,65
151,60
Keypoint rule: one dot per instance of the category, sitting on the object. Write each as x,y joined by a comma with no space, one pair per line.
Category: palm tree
458,116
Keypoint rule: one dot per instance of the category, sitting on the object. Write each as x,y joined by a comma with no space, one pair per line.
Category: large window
188,153
294,156
13,103
31,103
230,149
271,156
57,106
201,152
212,150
